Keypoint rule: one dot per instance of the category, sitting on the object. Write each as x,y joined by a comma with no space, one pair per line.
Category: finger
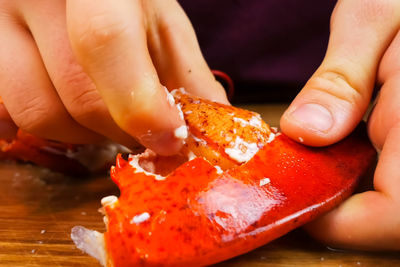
390,64
28,94
386,111
387,174
176,53
335,98
366,221
110,42
369,220
76,90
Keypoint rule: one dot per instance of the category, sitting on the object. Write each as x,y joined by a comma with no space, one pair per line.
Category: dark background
268,47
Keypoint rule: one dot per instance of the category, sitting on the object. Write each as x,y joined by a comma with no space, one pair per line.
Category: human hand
126,52
364,48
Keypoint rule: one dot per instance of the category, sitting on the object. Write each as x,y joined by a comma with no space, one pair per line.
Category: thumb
336,97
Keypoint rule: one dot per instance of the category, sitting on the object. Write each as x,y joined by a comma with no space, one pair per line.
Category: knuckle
85,106
78,93
5,14
99,31
376,10
338,85
379,8
33,116
72,75
367,13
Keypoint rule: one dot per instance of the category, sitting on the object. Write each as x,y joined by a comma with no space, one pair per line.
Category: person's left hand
364,48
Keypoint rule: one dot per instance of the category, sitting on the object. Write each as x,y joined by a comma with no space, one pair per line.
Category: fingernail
313,116
163,143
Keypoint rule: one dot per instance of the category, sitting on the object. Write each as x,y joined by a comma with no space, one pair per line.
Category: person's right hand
363,49
80,70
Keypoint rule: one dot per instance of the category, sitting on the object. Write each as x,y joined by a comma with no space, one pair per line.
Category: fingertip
163,143
154,119
165,133
218,94
297,133
207,88
221,95
308,124
320,117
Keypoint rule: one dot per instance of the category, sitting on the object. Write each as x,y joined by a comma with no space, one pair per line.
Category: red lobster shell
220,204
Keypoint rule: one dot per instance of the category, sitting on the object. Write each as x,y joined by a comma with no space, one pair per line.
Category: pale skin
83,71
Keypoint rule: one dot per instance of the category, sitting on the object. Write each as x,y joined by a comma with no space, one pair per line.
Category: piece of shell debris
181,132
138,219
109,200
264,181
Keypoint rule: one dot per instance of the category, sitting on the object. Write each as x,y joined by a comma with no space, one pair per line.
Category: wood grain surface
39,208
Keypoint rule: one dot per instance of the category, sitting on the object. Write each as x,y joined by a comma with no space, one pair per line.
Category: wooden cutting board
39,208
